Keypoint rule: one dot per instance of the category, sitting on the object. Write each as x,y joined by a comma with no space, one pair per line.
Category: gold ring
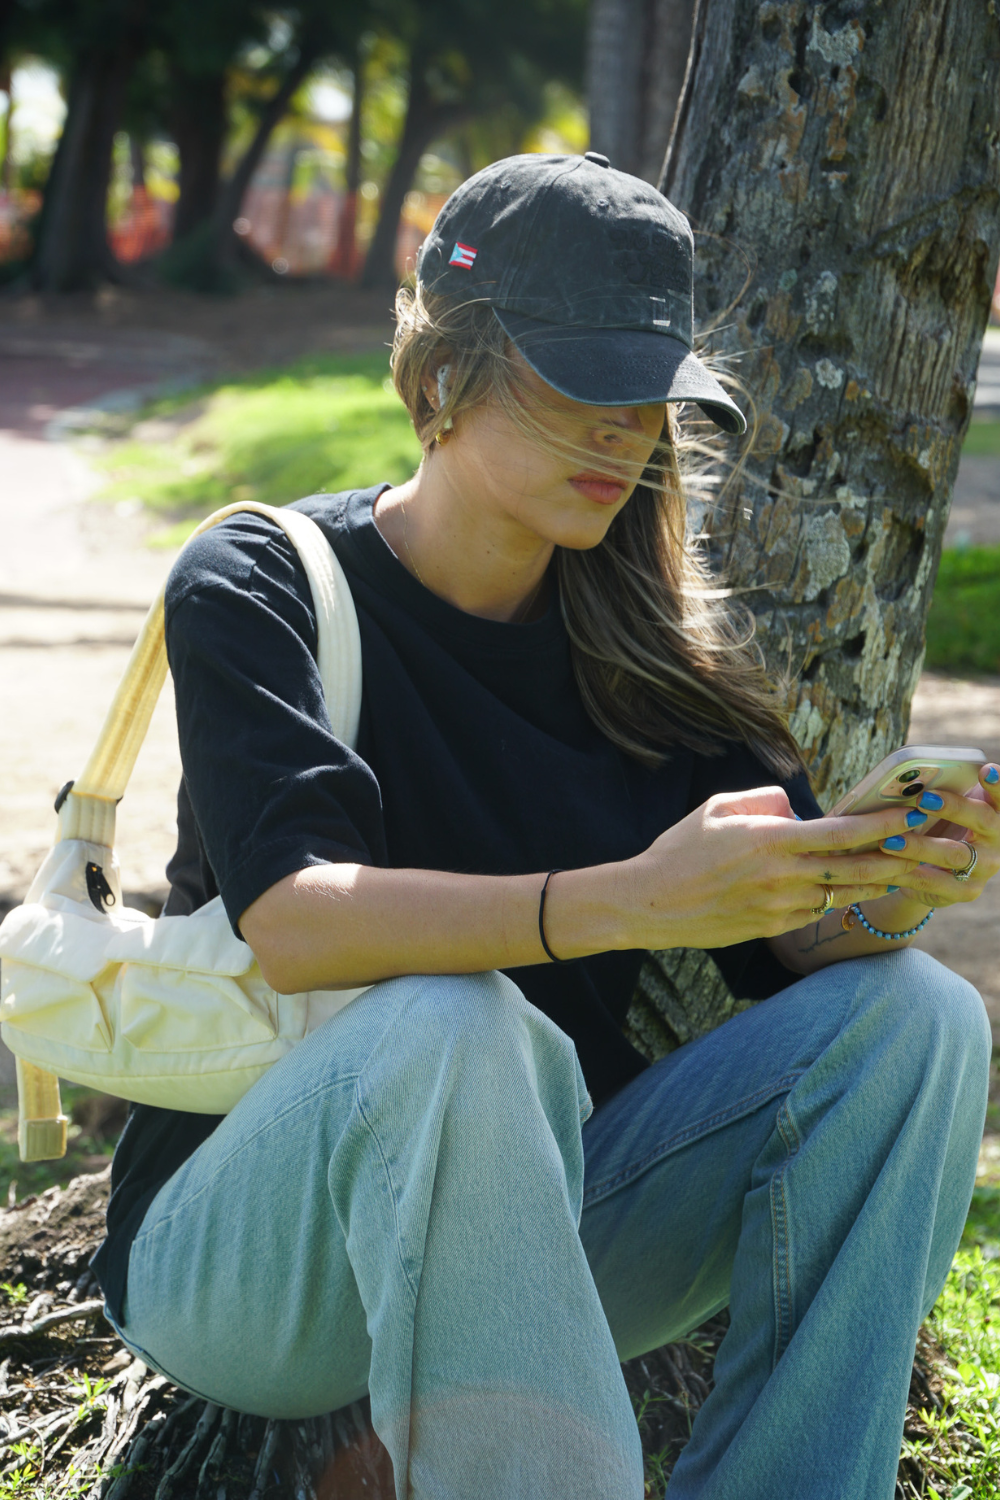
964,874
821,911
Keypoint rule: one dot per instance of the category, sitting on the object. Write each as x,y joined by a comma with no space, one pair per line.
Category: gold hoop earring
444,436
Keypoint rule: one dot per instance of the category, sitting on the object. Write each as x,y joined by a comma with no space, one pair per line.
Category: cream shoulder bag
170,1011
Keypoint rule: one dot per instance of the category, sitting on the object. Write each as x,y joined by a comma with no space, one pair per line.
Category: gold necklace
523,610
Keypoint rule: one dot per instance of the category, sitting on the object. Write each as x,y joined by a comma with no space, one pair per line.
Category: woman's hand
966,823
741,866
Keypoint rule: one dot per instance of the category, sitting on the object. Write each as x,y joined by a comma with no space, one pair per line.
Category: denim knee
480,1027
948,1005
469,1074
942,1015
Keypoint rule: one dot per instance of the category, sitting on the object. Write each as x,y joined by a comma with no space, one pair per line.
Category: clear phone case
906,774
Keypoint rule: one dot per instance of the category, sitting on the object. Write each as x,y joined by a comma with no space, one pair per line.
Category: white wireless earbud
443,373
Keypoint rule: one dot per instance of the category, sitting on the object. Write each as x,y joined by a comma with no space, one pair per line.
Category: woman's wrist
886,920
896,912
590,910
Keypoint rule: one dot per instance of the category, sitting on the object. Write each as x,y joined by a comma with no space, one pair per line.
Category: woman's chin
578,532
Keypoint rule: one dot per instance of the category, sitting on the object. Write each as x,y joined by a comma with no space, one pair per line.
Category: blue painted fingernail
896,843
914,818
891,889
932,801
992,776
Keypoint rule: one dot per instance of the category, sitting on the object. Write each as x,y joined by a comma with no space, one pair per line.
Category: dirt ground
76,575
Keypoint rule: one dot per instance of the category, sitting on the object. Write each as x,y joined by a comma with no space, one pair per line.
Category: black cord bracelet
541,920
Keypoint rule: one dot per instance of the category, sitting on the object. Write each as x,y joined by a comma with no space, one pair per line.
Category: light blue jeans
411,1204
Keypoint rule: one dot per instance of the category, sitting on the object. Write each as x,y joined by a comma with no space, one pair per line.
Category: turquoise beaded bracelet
890,937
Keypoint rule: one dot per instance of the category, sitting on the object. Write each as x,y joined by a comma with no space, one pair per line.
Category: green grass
982,439
960,1449
963,627
324,423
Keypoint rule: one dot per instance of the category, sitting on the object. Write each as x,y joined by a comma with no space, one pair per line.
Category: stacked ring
821,911
964,874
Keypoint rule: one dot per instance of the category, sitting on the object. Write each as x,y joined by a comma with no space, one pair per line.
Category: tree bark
73,252
847,153
198,122
636,56
426,121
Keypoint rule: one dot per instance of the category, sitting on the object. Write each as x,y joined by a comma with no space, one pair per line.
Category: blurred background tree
637,53
465,63
175,116
95,44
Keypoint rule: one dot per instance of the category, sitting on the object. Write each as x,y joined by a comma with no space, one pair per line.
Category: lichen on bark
839,163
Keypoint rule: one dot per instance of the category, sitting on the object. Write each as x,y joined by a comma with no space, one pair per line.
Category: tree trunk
137,159
6,17
198,122
343,262
849,155
206,258
274,111
666,44
426,121
284,217
73,252
7,159
614,69
636,56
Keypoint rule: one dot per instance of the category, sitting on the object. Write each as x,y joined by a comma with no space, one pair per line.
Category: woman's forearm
826,941
339,926
737,867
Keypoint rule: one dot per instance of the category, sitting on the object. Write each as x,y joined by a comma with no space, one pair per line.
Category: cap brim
619,367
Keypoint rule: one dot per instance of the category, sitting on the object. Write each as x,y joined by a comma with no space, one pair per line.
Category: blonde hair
661,655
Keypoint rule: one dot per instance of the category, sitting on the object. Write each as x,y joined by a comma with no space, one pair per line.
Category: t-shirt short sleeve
271,788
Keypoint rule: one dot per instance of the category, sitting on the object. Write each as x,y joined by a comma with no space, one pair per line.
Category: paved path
75,582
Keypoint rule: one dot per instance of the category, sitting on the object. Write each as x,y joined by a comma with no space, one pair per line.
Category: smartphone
906,774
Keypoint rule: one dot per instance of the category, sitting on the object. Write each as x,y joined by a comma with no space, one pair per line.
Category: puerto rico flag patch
462,255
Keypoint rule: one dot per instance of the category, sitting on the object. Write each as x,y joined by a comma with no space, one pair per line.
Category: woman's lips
599,487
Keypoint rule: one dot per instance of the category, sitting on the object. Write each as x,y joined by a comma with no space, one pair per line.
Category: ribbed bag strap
88,812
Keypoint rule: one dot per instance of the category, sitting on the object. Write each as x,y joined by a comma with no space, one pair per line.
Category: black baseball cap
589,272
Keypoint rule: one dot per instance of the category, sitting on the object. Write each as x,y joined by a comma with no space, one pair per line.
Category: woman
414,1202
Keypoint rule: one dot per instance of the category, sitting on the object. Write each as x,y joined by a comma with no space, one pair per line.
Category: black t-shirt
474,754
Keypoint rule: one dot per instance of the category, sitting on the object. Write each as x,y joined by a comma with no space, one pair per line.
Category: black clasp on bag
98,889
63,794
